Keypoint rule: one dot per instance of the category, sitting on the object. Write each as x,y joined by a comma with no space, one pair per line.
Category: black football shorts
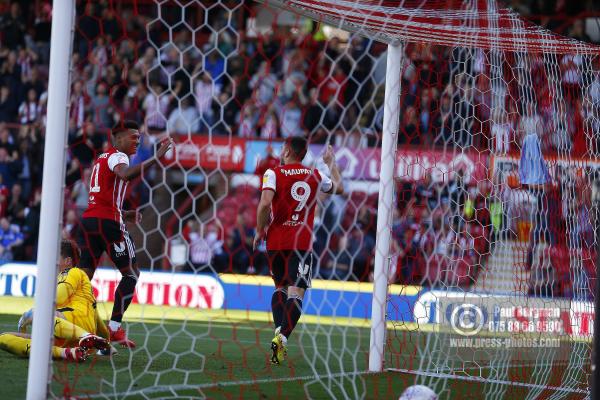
291,267
97,235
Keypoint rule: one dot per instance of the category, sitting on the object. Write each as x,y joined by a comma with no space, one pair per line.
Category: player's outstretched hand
329,157
257,238
25,320
165,145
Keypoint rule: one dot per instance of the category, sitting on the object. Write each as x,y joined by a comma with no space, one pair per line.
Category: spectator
29,109
249,119
4,196
13,27
8,105
263,85
6,139
291,119
110,25
101,108
457,192
156,105
226,108
411,130
334,87
215,66
16,205
32,225
41,32
241,246
78,103
424,194
339,265
184,120
204,92
130,111
501,131
29,151
147,61
70,225
314,112
294,80
405,252
80,192
11,74
11,240
203,249
26,60
34,81
270,161
88,29
269,125
10,167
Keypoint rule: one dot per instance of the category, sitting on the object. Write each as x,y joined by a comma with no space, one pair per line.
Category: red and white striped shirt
107,190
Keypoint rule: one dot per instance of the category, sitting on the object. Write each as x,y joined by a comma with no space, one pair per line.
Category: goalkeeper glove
25,320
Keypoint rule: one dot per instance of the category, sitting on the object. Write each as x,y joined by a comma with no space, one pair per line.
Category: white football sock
113,325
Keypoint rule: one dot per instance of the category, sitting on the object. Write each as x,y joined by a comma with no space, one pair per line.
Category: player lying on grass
289,194
76,323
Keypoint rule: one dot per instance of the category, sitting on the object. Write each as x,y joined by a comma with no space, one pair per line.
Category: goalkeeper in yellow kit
77,325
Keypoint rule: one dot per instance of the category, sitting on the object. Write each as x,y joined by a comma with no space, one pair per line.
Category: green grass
199,354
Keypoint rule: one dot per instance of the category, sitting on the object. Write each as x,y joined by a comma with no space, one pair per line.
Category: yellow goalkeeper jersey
74,293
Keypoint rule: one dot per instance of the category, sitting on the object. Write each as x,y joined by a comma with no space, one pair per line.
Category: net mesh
485,242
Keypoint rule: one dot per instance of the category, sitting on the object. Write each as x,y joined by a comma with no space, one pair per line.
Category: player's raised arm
336,177
127,140
128,173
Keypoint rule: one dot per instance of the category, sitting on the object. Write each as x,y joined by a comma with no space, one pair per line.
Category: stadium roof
458,23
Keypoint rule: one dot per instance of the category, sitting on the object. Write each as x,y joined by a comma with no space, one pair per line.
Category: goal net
490,268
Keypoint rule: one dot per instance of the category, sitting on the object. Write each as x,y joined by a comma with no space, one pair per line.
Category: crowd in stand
270,87
439,237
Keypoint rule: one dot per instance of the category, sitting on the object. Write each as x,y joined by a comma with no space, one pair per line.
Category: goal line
478,379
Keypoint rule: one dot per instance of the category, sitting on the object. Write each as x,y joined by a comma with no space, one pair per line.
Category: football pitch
186,353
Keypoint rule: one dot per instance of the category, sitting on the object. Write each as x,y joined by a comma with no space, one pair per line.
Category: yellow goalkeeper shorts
84,319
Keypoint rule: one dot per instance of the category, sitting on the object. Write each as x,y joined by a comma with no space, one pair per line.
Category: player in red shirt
103,224
289,194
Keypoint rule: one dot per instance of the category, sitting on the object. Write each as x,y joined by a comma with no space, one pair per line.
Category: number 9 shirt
293,206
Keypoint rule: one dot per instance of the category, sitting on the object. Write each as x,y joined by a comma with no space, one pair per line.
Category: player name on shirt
296,171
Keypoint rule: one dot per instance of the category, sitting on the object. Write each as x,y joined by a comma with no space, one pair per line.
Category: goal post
391,119
52,198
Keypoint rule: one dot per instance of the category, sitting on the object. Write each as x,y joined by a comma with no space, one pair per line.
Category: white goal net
491,265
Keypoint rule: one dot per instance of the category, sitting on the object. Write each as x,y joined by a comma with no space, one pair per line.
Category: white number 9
302,198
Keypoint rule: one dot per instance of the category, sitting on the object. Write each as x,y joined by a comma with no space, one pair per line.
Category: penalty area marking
204,386
478,379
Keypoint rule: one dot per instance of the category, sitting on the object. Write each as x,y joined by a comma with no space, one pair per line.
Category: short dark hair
123,126
68,248
298,145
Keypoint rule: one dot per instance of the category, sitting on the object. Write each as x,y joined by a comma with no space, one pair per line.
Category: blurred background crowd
229,78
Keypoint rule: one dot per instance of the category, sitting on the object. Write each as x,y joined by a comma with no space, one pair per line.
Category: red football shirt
107,190
293,207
